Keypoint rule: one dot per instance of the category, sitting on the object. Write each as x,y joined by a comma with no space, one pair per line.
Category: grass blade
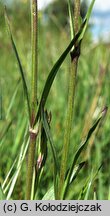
92,129
87,17
54,71
86,188
92,178
84,194
71,18
49,137
21,157
78,37
12,99
49,195
7,127
2,196
8,174
76,171
18,61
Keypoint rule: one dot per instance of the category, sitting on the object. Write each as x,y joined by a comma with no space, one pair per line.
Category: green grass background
53,39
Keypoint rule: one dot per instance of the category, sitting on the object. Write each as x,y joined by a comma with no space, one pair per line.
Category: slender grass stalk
76,15
34,38
72,85
33,132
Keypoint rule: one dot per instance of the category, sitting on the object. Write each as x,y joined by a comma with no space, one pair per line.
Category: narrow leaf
85,190
12,99
2,195
49,137
84,194
21,158
8,174
74,174
87,17
88,187
4,133
85,142
54,71
79,36
78,154
49,195
19,62
76,171
70,9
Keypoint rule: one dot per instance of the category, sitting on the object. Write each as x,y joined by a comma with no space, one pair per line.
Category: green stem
34,42
71,97
76,16
33,133
30,169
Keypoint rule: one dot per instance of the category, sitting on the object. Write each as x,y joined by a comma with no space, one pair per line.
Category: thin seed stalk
33,133
71,97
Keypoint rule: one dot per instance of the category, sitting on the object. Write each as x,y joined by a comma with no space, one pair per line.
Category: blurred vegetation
58,11
92,94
